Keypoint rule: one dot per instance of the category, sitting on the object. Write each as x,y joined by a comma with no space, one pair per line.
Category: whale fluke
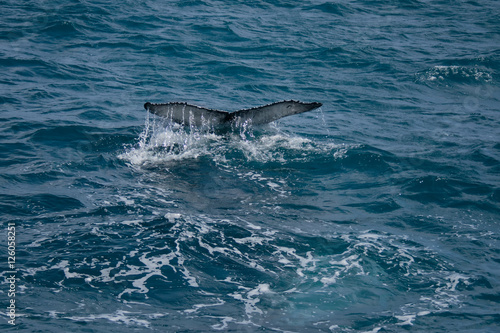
187,114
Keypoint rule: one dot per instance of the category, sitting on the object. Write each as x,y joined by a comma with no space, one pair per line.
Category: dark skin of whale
192,115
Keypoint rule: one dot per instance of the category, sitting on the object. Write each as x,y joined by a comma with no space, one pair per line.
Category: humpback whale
192,115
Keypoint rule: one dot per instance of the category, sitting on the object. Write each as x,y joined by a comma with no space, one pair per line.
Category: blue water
378,212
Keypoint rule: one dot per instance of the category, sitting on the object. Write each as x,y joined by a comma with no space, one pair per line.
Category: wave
233,272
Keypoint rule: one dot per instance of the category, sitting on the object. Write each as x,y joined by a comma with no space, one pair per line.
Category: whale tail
189,115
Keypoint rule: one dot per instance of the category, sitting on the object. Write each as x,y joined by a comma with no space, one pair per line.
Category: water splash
163,142
459,74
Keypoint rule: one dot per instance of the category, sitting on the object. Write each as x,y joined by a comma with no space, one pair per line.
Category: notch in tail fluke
187,114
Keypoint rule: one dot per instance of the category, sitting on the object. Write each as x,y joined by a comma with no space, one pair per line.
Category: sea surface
378,212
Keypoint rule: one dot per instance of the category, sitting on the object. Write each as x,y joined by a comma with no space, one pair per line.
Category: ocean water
378,212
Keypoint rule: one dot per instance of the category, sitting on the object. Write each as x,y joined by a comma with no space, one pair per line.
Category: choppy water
378,213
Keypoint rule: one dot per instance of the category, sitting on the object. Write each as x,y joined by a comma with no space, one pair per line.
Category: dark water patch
449,192
98,183
61,135
15,153
377,207
477,189
479,155
38,204
83,161
431,189
53,203
444,321
218,32
426,224
192,3
356,186
367,159
494,298
24,67
70,72
142,25
324,246
471,248
475,204
239,72
332,8
94,115
160,224
34,178
301,207
107,210
172,50
351,59
426,164
8,100
61,29
111,141
83,138
264,88
495,196
130,44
